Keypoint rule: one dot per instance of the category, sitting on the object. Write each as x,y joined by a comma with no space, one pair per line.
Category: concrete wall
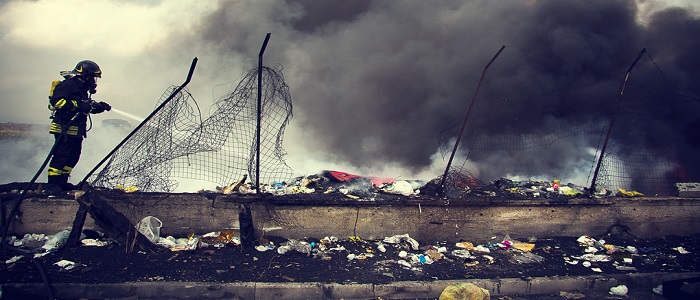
424,220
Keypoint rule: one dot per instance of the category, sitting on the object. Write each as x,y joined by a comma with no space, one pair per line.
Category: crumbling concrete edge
314,290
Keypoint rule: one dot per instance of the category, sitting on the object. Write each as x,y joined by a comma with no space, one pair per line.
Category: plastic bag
150,227
56,241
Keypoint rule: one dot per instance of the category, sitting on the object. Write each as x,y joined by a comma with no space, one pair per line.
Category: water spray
128,115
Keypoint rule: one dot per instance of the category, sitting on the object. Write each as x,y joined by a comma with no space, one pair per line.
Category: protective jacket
67,98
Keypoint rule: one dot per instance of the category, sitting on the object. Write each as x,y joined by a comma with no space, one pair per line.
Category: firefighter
71,103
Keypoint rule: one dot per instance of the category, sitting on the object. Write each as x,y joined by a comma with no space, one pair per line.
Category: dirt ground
348,260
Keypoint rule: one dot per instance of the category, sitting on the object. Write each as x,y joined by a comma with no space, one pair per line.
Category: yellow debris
629,193
525,247
465,245
131,189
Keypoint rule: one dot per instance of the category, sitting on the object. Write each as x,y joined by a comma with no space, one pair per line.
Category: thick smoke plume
377,81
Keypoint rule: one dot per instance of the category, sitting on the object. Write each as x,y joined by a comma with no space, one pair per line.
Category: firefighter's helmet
87,68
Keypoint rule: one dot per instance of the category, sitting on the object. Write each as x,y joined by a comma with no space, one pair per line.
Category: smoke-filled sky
373,82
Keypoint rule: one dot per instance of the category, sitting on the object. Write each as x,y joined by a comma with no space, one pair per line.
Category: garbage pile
537,189
457,186
330,182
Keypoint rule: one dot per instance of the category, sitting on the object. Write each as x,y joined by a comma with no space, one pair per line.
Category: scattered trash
594,253
465,245
56,241
262,248
94,242
404,263
526,247
402,238
528,258
65,264
150,227
594,257
463,253
128,189
14,259
400,187
434,254
570,261
620,290
219,239
681,250
588,241
296,245
481,249
421,259
555,185
29,240
623,192
232,188
179,244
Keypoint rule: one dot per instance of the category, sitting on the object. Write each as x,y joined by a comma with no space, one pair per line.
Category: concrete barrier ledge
427,220
311,290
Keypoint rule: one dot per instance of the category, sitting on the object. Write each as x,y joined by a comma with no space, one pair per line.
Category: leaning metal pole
464,123
175,92
257,139
612,121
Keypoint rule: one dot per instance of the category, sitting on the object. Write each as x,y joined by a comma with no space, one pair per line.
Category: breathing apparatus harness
94,105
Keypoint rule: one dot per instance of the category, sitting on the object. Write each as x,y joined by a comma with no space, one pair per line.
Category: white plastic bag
400,187
150,227
56,241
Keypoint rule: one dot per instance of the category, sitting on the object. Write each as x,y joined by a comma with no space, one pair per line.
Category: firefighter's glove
99,107
86,106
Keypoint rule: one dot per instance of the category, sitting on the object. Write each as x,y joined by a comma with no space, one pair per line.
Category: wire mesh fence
179,142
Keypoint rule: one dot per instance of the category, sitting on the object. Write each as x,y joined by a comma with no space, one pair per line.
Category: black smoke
377,81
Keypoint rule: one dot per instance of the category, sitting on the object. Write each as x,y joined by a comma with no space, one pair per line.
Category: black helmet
87,67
